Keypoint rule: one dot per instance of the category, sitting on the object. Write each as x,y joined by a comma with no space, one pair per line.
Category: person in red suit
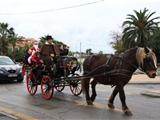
36,62
33,53
32,58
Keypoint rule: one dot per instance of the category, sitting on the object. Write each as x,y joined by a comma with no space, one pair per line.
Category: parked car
9,70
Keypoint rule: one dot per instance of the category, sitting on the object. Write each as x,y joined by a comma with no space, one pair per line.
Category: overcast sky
91,25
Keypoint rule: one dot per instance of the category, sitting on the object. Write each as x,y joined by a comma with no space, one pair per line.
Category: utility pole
80,60
80,49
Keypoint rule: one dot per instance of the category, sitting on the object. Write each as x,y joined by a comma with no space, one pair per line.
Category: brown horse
117,71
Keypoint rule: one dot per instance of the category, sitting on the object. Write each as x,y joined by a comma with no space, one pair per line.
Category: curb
15,115
152,93
143,82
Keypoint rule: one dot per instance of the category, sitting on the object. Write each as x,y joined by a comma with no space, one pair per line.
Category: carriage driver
49,52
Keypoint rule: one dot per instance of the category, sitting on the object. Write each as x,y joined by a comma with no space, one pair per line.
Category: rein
113,72
110,73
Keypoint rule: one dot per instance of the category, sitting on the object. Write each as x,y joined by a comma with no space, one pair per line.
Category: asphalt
143,79
138,79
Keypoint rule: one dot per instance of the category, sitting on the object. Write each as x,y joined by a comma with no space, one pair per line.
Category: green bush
19,54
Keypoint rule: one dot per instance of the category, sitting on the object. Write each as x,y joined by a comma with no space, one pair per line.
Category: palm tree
155,44
3,38
43,40
13,38
89,51
139,28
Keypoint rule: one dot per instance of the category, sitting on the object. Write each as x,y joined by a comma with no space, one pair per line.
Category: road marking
8,115
17,114
95,105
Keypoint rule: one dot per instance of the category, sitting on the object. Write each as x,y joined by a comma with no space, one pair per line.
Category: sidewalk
144,79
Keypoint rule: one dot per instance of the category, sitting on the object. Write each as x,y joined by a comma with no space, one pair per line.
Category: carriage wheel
75,86
60,87
31,84
46,88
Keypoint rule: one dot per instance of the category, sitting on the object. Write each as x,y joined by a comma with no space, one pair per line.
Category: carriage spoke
46,88
75,86
76,90
31,84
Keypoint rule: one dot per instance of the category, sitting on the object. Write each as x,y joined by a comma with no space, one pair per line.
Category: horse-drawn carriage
61,74
115,70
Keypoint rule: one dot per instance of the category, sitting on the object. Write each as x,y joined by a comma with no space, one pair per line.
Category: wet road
15,100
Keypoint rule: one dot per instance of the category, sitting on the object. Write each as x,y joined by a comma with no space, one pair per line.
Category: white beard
35,46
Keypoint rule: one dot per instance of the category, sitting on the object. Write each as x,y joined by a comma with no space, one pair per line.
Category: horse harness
116,64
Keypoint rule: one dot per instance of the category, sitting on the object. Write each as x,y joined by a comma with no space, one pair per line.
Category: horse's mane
140,55
139,52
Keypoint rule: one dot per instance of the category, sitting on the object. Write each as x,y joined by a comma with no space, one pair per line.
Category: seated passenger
32,58
32,51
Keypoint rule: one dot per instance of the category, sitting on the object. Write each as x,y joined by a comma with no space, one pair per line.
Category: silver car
9,70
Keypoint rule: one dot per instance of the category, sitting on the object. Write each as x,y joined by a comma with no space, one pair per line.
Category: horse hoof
111,106
127,112
89,102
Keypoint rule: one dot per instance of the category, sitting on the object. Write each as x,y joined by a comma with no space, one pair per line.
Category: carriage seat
67,62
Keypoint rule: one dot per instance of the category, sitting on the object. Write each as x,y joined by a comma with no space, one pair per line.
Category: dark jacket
49,51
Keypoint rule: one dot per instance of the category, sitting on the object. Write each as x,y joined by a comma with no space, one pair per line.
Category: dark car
9,70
